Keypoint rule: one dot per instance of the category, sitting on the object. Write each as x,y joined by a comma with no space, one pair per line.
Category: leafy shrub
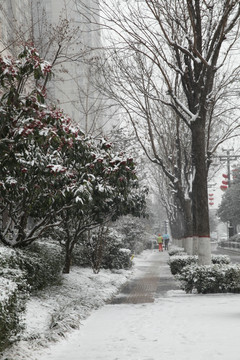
11,308
115,255
43,263
10,268
178,262
176,251
40,265
20,272
210,278
133,233
106,252
221,259
13,296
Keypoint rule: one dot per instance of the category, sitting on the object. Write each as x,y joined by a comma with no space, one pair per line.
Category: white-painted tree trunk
180,243
204,251
188,245
195,245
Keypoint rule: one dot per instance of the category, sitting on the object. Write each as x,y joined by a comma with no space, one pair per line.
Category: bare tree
188,46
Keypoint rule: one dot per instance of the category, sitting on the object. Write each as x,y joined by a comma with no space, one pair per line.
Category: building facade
66,33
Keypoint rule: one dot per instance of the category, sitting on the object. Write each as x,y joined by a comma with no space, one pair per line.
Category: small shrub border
12,305
178,262
114,254
204,279
176,251
22,272
43,263
221,259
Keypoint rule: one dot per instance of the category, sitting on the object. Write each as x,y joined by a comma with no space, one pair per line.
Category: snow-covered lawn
177,326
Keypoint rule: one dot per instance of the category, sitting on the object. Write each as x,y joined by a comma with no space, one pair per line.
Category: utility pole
228,158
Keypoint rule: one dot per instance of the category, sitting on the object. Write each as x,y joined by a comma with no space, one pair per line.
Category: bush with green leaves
221,259
133,232
13,296
178,262
105,251
116,256
43,263
176,251
35,268
22,272
204,279
11,308
10,268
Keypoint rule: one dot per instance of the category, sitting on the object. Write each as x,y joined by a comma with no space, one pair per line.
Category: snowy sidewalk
175,326
153,279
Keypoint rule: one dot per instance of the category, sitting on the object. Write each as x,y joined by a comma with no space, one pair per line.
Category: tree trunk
200,194
188,235
68,257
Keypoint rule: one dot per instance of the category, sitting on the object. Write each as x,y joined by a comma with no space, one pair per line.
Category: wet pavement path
154,279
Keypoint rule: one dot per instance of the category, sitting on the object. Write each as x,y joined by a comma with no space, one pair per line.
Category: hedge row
220,277
178,262
20,273
210,278
12,305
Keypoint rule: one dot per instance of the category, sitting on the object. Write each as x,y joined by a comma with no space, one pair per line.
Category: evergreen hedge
204,279
22,272
11,308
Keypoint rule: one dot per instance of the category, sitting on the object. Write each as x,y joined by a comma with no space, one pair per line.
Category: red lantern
210,194
211,203
225,176
225,182
223,187
211,198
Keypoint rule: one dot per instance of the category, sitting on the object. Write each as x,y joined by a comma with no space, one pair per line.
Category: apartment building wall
73,85
15,27
70,24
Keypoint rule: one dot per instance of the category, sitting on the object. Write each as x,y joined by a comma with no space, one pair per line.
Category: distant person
166,239
160,242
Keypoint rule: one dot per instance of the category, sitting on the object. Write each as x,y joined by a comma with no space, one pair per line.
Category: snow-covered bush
43,263
133,232
13,296
210,278
10,268
20,272
11,308
176,251
116,256
103,251
178,262
35,268
221,259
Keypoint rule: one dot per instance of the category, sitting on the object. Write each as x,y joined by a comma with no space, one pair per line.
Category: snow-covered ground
176,326
58,310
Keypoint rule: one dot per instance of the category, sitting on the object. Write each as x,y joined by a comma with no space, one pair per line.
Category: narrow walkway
155,281
147,322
